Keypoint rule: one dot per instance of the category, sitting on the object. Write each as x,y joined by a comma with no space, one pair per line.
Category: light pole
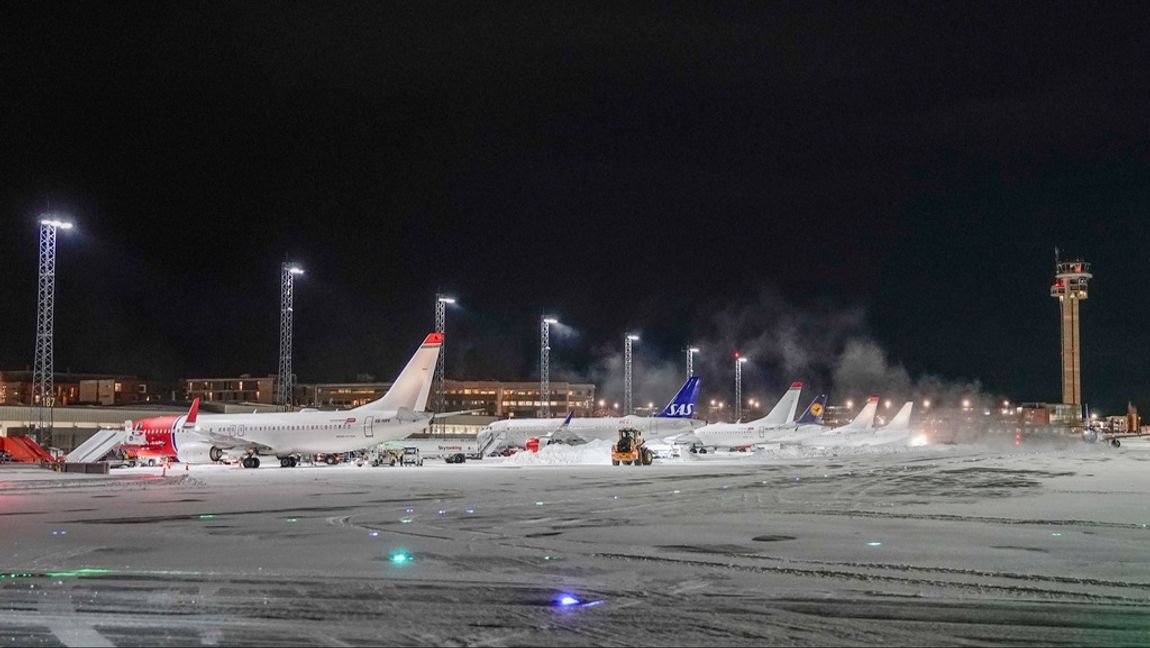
739,386
628,340
545,364
691,351
441,304
285,380
43,372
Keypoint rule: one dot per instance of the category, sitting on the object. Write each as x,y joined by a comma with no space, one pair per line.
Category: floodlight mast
691,351
441,304
43,368
628,341
739,360
285,379
545,365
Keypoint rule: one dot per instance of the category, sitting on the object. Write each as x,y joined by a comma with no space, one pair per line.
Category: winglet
193,411
433,338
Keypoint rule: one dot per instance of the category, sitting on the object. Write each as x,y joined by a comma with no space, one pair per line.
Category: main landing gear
251,461
288,462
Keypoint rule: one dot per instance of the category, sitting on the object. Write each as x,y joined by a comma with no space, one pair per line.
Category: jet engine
198,453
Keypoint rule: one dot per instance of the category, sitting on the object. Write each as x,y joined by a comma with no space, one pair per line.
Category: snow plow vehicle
630,449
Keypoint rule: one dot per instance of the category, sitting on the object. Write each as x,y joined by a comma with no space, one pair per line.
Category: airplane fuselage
517,431
288,433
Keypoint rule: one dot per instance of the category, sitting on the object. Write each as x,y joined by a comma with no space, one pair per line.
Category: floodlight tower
739,360
285,381
628,341
691,351
1071,279
43,371
545,364
441,304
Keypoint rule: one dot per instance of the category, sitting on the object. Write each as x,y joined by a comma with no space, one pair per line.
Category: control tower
1070,282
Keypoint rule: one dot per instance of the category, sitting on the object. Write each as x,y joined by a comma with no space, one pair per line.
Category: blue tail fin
814,413
683,404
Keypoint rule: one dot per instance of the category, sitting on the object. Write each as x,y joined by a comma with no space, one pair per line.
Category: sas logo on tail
684,409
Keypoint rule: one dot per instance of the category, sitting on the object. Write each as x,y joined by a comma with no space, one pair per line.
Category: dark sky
624,166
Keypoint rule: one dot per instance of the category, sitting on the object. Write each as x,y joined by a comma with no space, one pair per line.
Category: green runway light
400,557
77,572
207,516
291,519
405,520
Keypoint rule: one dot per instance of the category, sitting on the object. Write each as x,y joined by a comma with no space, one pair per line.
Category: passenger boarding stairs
98,446
487,442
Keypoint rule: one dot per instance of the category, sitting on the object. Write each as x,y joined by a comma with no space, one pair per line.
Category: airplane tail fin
784,411
901,421
865,419
410,389
814,413
683,404
193,412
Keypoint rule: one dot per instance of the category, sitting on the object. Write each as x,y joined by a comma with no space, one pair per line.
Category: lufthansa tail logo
816,409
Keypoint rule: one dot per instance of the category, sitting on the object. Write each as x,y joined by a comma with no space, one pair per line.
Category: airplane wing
459,413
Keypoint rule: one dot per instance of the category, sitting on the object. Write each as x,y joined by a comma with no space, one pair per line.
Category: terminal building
501,399
87,389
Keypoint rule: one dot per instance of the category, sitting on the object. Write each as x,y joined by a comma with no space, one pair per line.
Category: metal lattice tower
627,342
441,302
285,380
1071,279
691,351
739,386
43,371
545,365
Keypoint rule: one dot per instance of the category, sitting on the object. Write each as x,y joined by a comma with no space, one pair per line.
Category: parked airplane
820,436
673,419
1093,433
897,432
396,415
151,439
779,421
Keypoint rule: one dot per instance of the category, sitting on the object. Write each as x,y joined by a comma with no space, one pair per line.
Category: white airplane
779,421
897,432
396,415
674,419
820,436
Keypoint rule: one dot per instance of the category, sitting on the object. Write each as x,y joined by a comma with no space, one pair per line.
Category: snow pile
804,452
595,452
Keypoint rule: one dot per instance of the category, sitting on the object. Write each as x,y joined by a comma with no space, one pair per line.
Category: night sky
793,179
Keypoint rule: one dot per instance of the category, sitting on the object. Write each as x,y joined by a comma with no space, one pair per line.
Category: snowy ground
945,545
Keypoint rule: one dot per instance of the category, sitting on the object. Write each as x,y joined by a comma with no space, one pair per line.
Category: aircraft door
368,424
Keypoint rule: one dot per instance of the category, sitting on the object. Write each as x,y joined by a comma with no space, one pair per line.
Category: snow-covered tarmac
945,545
